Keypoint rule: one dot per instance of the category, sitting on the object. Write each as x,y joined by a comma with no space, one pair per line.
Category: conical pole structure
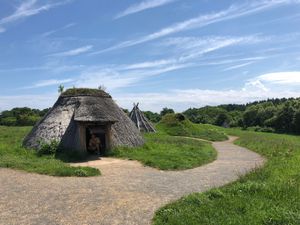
140,120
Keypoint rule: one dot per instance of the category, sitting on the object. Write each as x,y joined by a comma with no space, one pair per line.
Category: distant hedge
21,116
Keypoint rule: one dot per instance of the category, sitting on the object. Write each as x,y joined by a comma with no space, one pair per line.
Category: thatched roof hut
140,120
79,113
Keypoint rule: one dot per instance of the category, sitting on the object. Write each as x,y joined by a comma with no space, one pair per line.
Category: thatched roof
83,105
96,109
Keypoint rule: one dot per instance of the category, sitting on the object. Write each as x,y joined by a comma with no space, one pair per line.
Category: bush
180,117
260,129
8,121
48,148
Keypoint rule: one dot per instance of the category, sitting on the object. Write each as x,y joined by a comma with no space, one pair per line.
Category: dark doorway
99,132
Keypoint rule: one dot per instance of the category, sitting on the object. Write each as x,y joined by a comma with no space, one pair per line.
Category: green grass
172,125
84,91
13,155
266,196
169,153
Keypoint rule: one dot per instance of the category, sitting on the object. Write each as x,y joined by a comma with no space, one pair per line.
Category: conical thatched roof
75,107
140,120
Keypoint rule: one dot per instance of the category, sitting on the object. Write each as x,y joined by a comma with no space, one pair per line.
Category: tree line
21,116
272,115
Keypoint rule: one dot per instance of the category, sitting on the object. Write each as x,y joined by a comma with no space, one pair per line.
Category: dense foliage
153,117
166,111
267,196
280,115
21,116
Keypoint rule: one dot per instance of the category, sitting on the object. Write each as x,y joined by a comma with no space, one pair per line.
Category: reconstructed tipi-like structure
79,113
140,120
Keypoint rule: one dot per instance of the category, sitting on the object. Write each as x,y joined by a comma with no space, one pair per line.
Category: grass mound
178,125
169,153
13,155
267,196
84,91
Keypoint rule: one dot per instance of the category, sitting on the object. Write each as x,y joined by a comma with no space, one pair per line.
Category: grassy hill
178,125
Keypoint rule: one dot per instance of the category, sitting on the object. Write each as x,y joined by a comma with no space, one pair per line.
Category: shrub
180,117
261,129
48,148
8,121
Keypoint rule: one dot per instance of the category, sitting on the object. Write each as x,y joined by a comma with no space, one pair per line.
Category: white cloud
254,86
114,78
188,49
233,12
149,64
181,100
109,78
188,43
48,33
144,5
40,101
45,83
29,8
200,47
283,78
238,66
74,52
178,99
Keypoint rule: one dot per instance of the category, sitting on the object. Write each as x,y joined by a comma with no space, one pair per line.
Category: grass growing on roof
266,196
169,153
178,125
84,91
13,155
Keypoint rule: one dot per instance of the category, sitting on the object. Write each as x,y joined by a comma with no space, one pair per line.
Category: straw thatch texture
61,123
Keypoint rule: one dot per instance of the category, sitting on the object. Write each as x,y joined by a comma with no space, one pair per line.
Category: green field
160,151
169,153
13,155
174,125
267,196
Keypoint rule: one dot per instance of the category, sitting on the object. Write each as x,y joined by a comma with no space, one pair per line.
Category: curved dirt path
126,193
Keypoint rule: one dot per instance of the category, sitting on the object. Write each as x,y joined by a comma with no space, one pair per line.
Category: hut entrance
99,132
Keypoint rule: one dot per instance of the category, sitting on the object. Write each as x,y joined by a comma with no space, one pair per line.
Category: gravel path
126,193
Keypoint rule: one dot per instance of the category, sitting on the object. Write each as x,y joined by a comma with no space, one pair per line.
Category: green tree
250,116
153,117
166,111
222,120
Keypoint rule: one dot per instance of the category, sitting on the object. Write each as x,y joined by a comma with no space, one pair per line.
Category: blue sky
173,53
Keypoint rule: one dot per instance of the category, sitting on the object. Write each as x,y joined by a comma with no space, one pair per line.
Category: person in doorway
94,144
